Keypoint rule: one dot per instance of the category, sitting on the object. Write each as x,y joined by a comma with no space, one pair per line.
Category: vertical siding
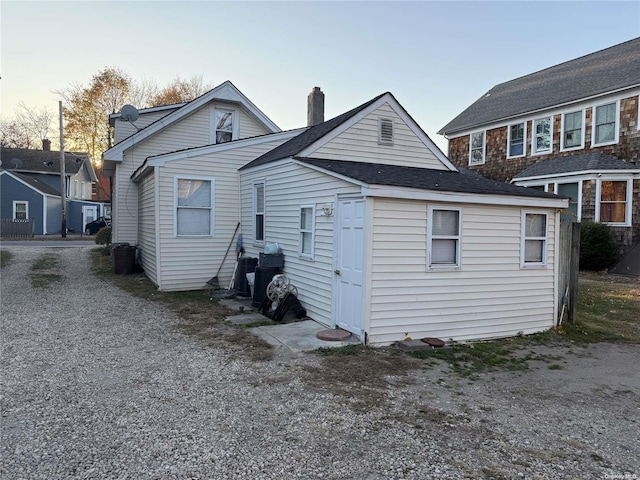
192,131
147,227
360,143
489,297
287,188
187,263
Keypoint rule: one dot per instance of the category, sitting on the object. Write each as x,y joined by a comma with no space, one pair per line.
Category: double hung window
443,237
224,126
605,128
307,217
613,201
542,131
517,136
258,211
476,148
194,207
572,130
534,239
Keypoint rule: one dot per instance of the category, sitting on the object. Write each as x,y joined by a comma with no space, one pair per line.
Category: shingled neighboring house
571,129
30,182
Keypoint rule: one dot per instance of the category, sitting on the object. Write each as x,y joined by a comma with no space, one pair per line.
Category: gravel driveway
99,384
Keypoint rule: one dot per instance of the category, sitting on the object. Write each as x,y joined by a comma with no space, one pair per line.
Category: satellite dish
129,113
16,162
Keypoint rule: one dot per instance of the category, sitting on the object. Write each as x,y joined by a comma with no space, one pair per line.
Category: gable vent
385,131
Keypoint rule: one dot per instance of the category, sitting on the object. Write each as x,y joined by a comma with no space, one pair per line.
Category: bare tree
14,135
36,121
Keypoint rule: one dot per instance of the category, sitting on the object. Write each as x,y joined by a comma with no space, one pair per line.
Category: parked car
92,228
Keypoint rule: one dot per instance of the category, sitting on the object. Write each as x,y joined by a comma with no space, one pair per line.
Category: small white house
382,236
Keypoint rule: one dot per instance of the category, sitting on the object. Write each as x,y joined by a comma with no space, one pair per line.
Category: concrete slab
236,304
299,336
246,318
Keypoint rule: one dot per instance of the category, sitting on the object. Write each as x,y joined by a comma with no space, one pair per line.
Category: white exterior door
89,214
348,295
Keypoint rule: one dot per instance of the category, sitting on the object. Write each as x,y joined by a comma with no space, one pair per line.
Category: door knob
337,272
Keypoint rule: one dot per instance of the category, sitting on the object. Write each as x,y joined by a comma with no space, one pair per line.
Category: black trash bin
124,258
263,276
245,265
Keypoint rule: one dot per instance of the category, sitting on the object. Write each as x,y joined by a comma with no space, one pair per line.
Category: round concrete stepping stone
334,335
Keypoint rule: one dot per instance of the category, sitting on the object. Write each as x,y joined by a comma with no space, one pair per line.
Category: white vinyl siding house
407,147
289,186
489,296
147,253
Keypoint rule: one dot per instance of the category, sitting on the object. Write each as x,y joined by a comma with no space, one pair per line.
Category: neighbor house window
307,216
476,148
613,202
443,238
605,125
84,190
258,211
517,135
542,135
572,130
20,210
224,125
534,239
75,188
571,190
194,207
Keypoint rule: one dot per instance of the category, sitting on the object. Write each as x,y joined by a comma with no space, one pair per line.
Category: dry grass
202,316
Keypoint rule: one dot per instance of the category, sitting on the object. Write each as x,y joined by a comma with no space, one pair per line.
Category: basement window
385,131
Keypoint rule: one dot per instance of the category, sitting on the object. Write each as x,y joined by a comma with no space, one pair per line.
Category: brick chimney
315,107
46,145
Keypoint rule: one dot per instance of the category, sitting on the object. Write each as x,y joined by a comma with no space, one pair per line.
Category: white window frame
236,122
579,182
524,140
484,147
312,231
430,237
524,238
381,139
15,203
534,150
628,206
211,207
616,129
564,148
75,189
255,211
84,190
638,117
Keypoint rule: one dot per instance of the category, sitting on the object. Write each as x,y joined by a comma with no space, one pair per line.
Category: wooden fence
10,228
568,267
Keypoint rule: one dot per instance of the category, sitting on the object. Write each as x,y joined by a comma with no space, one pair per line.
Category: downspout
156,209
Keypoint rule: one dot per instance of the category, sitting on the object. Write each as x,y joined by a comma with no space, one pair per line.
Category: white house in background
381,234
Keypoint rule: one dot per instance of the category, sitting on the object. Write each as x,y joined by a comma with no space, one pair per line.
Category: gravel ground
99,384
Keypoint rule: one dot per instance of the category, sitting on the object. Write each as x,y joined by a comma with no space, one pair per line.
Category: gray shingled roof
422,178
42,161
40,186
592,161
607,70
308,137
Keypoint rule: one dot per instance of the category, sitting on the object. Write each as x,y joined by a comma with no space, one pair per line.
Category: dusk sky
435,57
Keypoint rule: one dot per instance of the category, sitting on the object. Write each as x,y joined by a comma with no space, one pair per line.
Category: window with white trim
443,237
614,201
84,190
572,130
75,189
307,226
533,246
258,211
605,124
571,190
516,142
476,148
193,207
224,125
542,141
385,131
20,210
